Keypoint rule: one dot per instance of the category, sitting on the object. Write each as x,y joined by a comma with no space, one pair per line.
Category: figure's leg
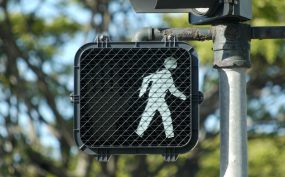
166,120
146,119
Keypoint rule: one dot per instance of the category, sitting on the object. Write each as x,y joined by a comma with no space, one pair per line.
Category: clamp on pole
231,45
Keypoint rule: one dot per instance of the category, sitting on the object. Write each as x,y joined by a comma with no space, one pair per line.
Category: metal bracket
170,40
102,40
231,1
74,98
170,155
231,45
102,155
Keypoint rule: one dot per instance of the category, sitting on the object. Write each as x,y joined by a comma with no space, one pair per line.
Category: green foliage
266,157
209,162
268,12
42,27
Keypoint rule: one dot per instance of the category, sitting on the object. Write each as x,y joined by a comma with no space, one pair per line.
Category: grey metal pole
202,34
268,32
233,108
185,34
231,54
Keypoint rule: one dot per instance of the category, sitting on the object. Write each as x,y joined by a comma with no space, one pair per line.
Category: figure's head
170,63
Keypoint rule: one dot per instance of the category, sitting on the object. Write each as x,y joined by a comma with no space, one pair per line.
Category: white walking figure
160,82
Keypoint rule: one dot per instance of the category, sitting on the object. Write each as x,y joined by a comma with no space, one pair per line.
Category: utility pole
232,58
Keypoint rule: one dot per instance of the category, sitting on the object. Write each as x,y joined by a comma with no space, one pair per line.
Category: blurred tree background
37,45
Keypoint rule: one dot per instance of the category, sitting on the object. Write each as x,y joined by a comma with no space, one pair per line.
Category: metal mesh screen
135,97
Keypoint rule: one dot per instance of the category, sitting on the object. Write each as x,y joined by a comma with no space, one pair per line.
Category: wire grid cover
135,97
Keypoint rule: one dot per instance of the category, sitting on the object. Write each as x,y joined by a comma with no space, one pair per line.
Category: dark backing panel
110,109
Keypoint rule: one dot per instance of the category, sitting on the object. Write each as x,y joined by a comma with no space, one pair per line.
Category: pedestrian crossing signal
136,98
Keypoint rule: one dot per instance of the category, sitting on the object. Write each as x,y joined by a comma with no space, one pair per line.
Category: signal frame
104,153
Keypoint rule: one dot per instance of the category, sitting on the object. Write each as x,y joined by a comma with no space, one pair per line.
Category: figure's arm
144,86
174,91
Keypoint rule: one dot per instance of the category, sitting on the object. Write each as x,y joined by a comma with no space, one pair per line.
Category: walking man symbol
160,82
